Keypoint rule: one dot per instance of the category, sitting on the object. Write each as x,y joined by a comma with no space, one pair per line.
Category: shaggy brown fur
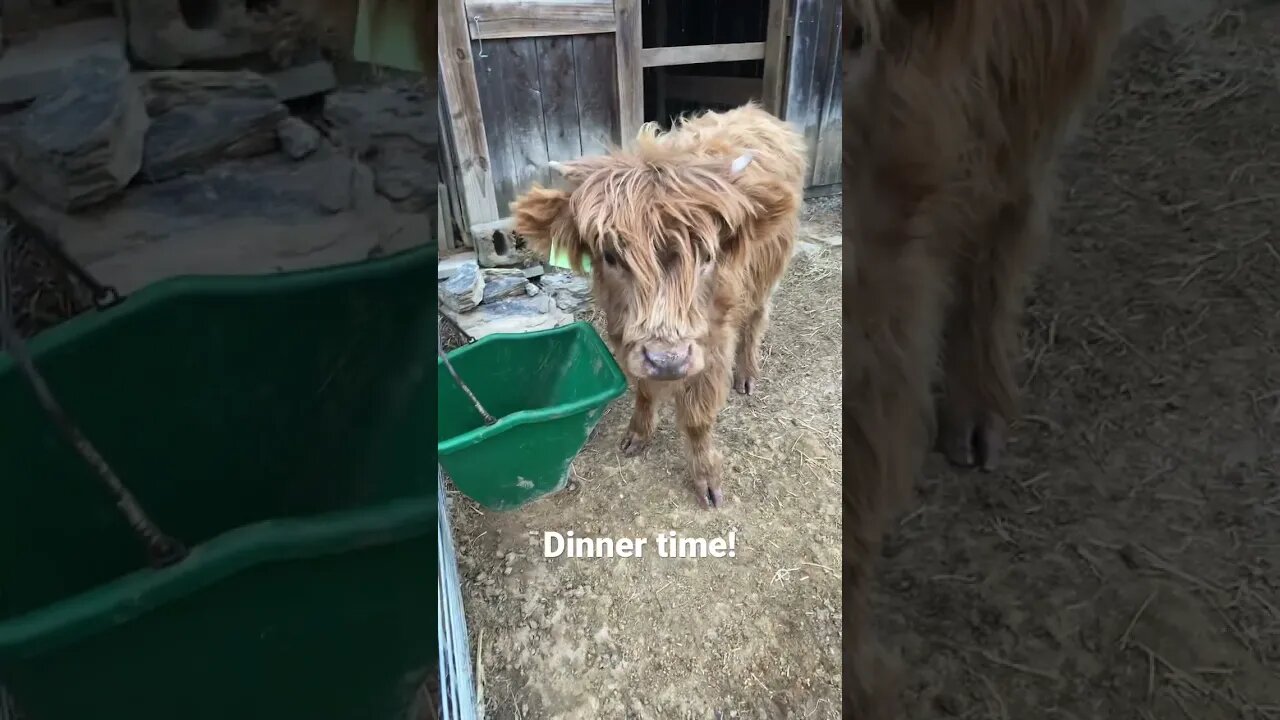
686,245
954,113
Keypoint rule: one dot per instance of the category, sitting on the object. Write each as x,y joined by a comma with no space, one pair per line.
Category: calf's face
656,289
657,233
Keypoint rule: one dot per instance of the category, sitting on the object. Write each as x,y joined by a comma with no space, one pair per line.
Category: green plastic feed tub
547,389
276,425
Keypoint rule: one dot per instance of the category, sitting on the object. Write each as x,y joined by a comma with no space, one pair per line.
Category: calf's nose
667,362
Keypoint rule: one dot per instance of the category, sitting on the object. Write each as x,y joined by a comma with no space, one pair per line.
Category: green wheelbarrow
279,427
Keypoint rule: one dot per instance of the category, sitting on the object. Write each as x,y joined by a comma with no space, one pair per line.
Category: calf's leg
746,366
644,418
697,404
979,393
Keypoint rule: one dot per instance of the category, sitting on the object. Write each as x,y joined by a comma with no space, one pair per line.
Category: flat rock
298,138
302,81
501,286
84,144
449,265
165,90
35,67
189,137
255,216
464,290
572,293
510,315
393,126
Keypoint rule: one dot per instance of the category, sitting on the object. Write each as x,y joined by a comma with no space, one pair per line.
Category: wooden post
628,42
775,57
456,212
461,98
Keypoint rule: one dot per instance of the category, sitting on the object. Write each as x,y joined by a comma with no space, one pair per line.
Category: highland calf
688,232
954,112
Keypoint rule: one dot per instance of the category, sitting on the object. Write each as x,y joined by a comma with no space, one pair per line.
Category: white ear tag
740,164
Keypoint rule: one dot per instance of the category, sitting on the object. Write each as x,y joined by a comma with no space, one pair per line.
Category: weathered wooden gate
524,83
527,82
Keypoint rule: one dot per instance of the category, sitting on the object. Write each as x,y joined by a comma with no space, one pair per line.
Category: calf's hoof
633,444
710,499
973,439
744,383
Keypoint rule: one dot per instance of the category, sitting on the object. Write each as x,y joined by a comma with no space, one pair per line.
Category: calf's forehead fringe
639,205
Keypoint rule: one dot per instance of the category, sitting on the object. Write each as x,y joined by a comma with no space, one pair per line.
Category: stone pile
484,301
168,167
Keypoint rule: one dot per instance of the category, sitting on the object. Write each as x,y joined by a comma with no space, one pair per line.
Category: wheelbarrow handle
162,549
488,419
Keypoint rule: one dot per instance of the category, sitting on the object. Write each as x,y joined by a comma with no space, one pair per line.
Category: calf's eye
610,258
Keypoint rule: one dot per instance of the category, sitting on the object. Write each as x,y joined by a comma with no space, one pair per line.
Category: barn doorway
784,54
684,36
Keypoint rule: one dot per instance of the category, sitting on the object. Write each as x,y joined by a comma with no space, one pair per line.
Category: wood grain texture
550,98
558,78
495,20
803,104
456,216
697,54
491,72
526,132
775,57
628,47
599,106
827,150
464,115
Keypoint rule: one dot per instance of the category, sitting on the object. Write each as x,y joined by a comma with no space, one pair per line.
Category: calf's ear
543,219
768,200
575,171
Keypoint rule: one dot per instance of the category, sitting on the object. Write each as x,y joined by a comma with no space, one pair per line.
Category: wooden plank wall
543,99
813,85
461,94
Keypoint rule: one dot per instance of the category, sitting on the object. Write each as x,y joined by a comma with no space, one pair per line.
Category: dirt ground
1125,562
756,635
